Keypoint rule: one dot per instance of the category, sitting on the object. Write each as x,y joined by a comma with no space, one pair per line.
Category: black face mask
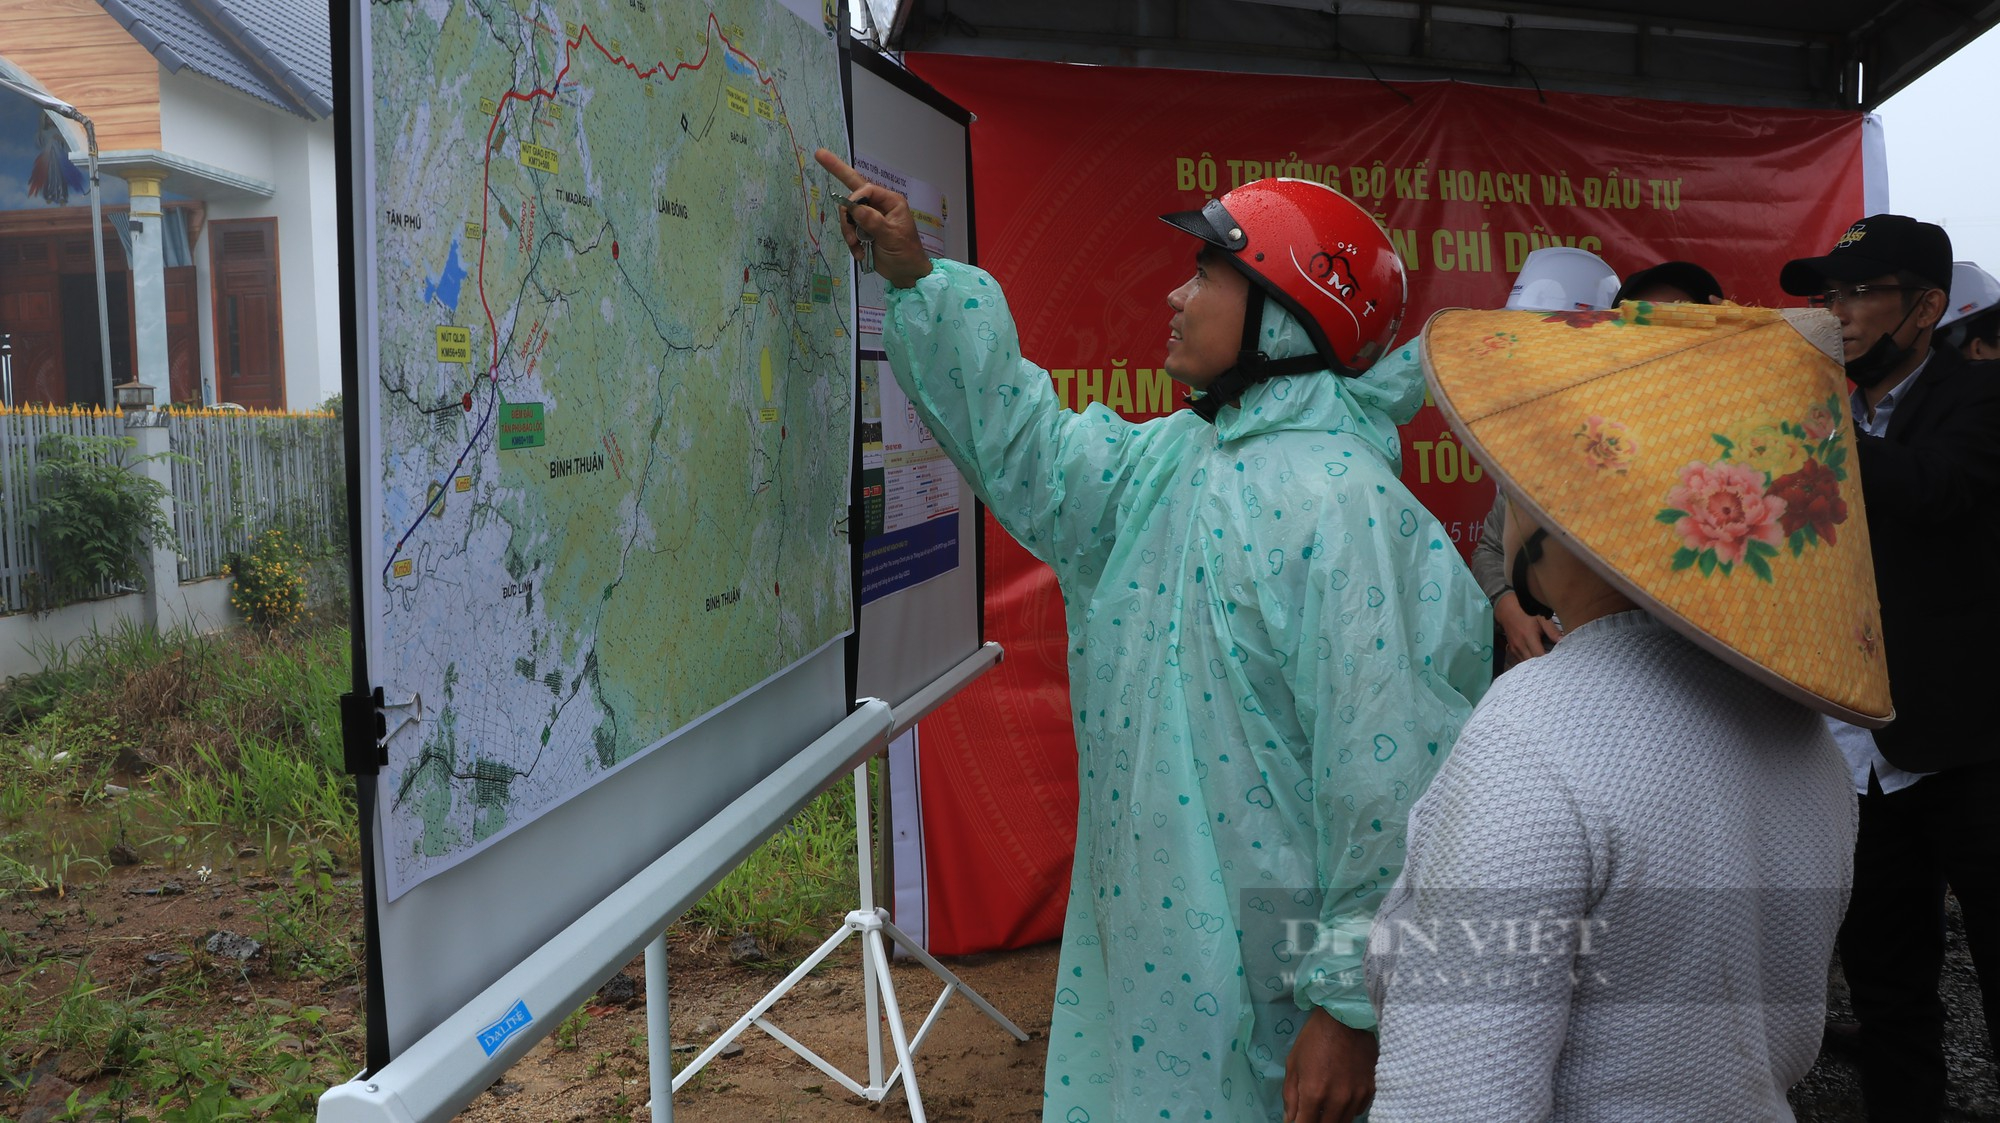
1874,364
1529,553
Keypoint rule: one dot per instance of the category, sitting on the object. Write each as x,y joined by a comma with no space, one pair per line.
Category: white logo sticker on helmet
1335,274
1331,275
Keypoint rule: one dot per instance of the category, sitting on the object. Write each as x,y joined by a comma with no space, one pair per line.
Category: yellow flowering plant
269,580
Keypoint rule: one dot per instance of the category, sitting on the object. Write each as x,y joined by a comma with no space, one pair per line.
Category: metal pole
659,1042
7,368
871,981
97,251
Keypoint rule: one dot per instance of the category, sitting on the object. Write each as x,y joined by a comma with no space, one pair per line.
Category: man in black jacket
1928,442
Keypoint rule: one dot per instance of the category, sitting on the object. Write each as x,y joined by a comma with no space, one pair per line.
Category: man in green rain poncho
1272,646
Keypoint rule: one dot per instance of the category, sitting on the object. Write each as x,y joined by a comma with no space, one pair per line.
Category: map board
603,392
612,321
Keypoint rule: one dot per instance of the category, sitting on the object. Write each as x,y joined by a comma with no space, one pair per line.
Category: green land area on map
614,389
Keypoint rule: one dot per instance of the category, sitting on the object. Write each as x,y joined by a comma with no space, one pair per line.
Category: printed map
612,403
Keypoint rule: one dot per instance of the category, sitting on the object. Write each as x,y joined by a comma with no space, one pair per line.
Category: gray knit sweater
1620,898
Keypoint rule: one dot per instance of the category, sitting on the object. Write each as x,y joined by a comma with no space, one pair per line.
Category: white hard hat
1563,279
1973,290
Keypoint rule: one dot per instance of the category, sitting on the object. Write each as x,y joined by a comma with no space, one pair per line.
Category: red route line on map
486,201
569,46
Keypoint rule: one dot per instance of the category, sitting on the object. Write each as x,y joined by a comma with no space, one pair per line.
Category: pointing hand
880,215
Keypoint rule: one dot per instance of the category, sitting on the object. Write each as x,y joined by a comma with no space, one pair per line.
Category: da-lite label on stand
510,1023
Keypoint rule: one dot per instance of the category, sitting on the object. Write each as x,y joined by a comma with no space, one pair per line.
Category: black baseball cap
1686,276
1877,245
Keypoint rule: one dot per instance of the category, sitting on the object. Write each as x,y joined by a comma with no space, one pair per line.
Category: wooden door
183,337
249,338
83,348
31,313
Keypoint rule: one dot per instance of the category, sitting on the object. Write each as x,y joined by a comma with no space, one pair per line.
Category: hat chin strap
1252,365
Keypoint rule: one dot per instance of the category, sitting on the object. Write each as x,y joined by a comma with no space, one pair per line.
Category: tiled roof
277,51
295,31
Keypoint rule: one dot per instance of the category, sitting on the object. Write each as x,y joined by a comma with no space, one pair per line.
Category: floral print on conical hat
1701,458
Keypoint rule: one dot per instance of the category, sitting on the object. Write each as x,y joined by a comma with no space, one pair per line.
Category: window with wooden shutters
249,337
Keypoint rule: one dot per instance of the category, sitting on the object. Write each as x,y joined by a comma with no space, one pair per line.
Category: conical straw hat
1701,459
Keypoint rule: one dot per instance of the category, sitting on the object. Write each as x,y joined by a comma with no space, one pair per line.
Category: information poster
910,491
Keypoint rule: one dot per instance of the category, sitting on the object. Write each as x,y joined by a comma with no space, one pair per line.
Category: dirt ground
139,930
595,1067
968,1068
971,1070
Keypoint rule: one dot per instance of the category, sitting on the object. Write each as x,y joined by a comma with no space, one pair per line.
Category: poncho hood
1370,407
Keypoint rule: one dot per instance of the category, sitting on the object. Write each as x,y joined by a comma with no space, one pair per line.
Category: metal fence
22,431
238,474
245,473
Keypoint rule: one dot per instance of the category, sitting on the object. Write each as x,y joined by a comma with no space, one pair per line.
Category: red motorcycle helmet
1319,255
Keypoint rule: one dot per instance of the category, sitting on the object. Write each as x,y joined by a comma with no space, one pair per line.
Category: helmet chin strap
1252,365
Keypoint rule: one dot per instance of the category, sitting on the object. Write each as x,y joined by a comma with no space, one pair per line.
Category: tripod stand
878,990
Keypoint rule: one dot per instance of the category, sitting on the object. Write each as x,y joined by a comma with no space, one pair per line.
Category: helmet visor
1211,224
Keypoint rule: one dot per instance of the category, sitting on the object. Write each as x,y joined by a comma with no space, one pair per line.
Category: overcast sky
1944,165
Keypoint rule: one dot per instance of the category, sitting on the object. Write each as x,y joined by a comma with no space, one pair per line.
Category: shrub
94,516
270,580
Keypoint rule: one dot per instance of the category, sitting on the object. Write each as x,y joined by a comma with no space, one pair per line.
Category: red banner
1071,165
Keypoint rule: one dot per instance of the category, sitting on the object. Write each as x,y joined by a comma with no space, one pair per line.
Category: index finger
840,169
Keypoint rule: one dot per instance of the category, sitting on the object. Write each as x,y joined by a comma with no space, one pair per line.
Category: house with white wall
217,188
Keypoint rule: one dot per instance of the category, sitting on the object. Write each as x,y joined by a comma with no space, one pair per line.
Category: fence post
163,579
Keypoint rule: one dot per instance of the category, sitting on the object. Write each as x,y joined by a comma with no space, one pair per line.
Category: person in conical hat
1622,890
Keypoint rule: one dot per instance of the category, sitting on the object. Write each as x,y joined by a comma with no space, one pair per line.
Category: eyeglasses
1835,297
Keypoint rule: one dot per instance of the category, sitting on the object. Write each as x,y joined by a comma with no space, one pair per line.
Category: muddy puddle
46,848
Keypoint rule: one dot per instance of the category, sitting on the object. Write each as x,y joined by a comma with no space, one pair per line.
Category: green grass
15,950
570,1029
237,740
308,926
242,727
268,785
52,877
272,1062
795,886
164,1052
77,669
